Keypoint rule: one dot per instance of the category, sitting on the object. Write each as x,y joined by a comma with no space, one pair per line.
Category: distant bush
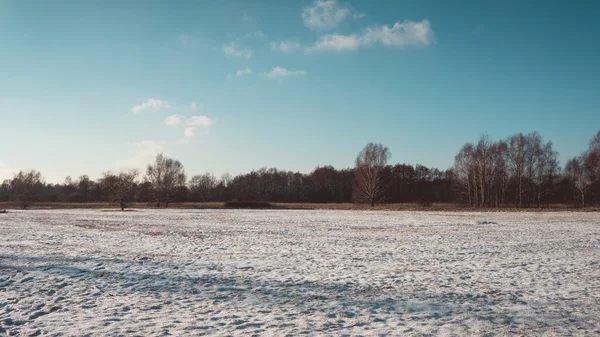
248,204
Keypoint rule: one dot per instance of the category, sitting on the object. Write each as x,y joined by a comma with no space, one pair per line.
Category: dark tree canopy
26,187
519,171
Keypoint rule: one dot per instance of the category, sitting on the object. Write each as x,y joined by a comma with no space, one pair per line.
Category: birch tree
577,175
516,153
368,186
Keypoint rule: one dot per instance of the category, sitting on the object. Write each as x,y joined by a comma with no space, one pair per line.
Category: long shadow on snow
307,296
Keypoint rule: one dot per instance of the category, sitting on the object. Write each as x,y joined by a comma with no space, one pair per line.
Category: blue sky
231,86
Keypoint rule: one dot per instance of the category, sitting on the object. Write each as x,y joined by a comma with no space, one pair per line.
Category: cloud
173,120
193,106
150,104
200,121
285,46
327,14
282,72
189,132
141,154
401,34
193,123
257,33
233,50
241,72
407,33
336,42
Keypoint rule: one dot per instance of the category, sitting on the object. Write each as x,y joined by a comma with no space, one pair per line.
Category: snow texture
272,273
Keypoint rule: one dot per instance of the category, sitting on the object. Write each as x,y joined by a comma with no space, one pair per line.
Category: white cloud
193,123
401,34
241,72
189,132
233,50
193,106
257,33
200,121
141,154
282,72
327,14
150,104
336,42
173,120
407,33
285,46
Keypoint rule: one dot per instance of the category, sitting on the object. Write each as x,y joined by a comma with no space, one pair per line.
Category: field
314,272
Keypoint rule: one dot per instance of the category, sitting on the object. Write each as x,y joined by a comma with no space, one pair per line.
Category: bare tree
480,173
483,161
368,186
69,181
546,170
5,190
121,187
595,142
85,186
226,179
577,175
202,185
592,159
497,177
166,176
517,151
25,186
464,174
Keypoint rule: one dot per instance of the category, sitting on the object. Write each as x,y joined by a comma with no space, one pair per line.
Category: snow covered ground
272,273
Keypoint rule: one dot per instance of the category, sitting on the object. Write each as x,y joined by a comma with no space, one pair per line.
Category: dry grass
248,204
436,207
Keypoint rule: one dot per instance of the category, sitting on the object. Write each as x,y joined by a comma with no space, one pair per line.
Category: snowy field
272,273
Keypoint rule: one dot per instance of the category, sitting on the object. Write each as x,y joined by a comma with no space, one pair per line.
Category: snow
278,272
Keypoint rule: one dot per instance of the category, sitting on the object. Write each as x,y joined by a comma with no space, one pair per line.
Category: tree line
524,171
520,171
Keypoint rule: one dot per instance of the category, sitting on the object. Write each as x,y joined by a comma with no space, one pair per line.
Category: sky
230,86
